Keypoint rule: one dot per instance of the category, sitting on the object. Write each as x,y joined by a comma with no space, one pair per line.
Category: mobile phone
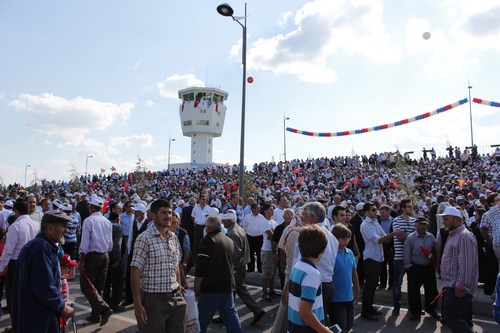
335,328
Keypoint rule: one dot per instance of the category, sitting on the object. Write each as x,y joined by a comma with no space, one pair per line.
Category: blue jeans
399,272
209,303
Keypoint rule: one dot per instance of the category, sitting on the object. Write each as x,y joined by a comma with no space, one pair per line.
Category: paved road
125,322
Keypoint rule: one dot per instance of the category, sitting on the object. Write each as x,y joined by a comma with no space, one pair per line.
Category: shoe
118,308
267,297
105,317
217,320
390,287
8,329
395,312
414,317
434,314
382,286
127,303
92,319
274,294
369,317
257,317
374,311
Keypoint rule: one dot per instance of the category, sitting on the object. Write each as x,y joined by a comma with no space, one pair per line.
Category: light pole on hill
169,143
87,163
26,166
226,10
285,118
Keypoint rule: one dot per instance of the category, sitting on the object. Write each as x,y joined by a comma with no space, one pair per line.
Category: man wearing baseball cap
96,242
459,272
37,301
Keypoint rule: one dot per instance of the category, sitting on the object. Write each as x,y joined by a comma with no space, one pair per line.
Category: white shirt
200,214
20,232
252,224
278,215
265,226
327,262
96,234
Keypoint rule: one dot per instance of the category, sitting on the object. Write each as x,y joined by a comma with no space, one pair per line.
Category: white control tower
202,113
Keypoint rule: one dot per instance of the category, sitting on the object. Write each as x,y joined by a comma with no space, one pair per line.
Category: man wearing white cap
180,205
97,241
241,259
139,225
459,272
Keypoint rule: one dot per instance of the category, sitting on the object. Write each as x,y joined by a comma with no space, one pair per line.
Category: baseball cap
451,211
422,220
180,202
66,261
139,207
359,206
96,201
9,203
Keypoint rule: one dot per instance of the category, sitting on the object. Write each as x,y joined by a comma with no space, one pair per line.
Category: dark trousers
372,272
361,269
166,312
114,286
70,248
92,281
327,291
128,286
457,312
419,275
197,236
387,264
242,292
255,244
342,314
490,271
9,280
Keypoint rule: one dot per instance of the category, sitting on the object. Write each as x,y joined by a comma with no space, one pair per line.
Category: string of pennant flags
394,124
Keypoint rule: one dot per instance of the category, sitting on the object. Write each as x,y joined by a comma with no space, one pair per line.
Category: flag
113,169
347,183
461,182
125,186
299,181
296,170
103,170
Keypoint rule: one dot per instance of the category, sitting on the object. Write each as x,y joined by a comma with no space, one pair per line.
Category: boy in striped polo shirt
305,303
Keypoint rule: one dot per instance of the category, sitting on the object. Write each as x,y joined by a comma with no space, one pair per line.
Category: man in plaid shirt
155,277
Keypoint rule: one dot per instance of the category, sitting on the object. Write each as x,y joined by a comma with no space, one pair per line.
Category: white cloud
149,103
2,95
171,85
141,140
59,116
285,18
139,63
321,29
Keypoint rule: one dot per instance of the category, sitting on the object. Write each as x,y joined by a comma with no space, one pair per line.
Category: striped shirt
408,226
459,267
491,222
158,260
70,236
305,285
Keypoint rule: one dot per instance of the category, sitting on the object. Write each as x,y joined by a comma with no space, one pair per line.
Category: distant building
202,113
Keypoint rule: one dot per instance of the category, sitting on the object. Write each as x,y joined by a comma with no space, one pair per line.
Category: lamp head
225,9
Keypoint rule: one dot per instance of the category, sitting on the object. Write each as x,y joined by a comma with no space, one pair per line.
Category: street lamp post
87,162
285,118
470,113
226,10
169,141
26,166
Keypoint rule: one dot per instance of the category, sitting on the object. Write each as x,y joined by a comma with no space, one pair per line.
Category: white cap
96,201
359,206
9,203
180,202
139,207
229,215
451,211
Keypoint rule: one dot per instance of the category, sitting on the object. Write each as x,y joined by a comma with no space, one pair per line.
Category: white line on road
115,316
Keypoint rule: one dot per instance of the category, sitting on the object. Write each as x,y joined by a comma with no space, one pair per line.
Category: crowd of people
332,231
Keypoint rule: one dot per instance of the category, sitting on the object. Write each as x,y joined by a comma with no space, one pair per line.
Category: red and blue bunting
390,125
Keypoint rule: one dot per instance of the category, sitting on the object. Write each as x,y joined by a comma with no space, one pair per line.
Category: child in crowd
305,304
345,280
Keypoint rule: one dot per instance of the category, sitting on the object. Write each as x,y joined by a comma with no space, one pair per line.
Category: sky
100,78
